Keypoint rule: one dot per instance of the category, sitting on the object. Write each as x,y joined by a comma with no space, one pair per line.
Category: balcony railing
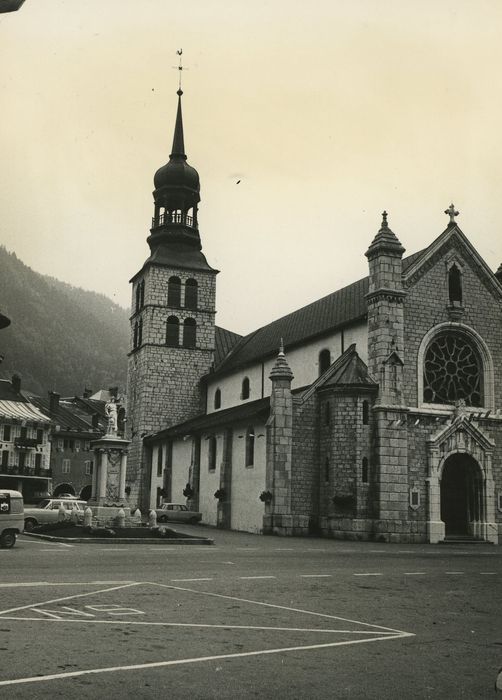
15,470
25,442
175,217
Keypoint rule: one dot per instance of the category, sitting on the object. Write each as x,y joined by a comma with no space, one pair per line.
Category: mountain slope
60,337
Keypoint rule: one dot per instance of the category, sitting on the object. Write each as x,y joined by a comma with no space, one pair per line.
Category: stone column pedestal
109,482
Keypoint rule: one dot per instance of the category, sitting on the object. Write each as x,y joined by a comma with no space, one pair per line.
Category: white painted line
179,662
454,573
315,549
487,573
70,597
56,551
316,575
252,578
284,549
196,625
378,551
113,549
210,594
415,573
405,551
186,580
247,549
33,584
368,574
45,543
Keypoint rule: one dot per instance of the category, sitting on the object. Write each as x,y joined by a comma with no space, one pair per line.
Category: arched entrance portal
462,506
62,490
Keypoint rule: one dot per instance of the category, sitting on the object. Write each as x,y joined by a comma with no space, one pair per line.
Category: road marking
70,597
251,578
113,549
44,542
487,573
284,549
316,575
415,573
57,551
179,662
368,574
248,549
186,580
454,573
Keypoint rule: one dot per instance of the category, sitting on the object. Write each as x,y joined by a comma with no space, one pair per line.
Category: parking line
415,573
186,580
487,573
250,578
454,573
368,574
316,575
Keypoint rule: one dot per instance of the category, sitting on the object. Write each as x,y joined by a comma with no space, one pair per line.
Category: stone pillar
122,477
94,477
385,363
278,516
224,512
103,474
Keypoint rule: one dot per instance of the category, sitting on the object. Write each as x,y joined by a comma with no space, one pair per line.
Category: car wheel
193,521
8,539
29,524
163,519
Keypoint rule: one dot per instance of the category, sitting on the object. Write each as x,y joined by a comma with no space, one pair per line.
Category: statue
111,414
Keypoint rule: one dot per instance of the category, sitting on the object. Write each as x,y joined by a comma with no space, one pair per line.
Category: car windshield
44,503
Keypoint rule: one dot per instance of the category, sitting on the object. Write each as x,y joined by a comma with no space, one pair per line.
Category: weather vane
179,67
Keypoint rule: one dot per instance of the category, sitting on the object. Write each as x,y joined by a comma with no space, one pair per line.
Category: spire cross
451,213
384,219
180,69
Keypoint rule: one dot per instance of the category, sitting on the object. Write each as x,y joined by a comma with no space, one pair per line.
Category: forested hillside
61,337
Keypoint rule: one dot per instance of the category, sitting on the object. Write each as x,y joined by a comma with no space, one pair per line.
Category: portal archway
62,489
462,498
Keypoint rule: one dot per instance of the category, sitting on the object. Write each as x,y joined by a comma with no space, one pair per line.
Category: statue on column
111,414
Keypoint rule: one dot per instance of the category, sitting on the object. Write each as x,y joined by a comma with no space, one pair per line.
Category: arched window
138,296
174,291
159,460
217,398
191,294
211,453
453,370
245,388
324,360
189,332
366,413
140,332
326,469
173,332
327,413
250,436
365,471
135,338
142,294
455,286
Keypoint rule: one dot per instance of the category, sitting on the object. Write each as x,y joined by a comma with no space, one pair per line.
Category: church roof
336,310
209,421
350,370
224,342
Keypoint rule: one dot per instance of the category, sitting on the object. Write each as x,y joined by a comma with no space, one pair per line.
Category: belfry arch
461,491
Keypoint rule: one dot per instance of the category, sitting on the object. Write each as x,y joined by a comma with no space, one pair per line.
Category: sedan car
177,512
47,511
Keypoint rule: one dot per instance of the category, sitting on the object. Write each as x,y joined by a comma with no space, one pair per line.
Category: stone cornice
393,295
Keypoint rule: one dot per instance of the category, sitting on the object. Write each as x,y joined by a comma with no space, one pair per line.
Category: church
373,413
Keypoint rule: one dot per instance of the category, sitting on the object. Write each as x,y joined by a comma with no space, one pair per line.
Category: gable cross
451,213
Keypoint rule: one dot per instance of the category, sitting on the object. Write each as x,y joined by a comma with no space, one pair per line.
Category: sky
327,112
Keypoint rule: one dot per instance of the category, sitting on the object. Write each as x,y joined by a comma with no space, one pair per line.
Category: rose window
452,371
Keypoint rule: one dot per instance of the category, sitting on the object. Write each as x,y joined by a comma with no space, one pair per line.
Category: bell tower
172,315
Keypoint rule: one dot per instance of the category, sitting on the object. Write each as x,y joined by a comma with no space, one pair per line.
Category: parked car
47,511
177,512
11,517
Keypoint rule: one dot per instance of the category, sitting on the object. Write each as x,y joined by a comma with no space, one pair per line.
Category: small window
5,458
22,459
159,460
455,286
24,433
189,333
191,294
217,398
135,336
140,332
6,433
250,437
245,391
174,292
211,453
40,436
366,413
88,467
326,469
324,361
140,295
66,466
173,332
365,471
38,460
327,413
414,498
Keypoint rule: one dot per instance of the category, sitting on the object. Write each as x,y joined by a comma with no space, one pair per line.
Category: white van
11,517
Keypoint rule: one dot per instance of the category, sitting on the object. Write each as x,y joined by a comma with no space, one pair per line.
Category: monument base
106,514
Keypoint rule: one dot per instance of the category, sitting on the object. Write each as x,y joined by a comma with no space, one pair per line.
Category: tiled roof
352,371
224,342
335,310
210,421
22,410
63,415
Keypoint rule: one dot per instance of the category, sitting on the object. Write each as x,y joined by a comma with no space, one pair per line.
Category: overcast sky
327,111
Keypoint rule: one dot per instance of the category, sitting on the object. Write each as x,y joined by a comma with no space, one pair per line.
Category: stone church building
372,413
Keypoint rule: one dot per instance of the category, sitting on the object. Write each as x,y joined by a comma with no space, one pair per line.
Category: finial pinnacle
384,220
452,213
180,70
281,347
